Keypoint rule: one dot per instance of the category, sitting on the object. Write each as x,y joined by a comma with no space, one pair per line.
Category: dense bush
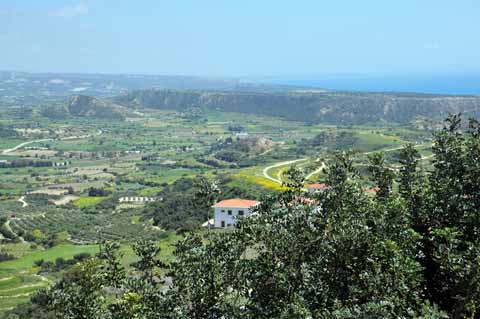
330,139
6,256
17,163
54,112
229,156
98,192
7,132
60,263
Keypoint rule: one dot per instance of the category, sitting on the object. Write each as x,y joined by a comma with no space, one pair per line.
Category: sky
241,38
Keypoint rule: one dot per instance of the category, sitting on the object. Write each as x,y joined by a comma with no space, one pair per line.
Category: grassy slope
17,277
369,142
88,201
18,280
65,251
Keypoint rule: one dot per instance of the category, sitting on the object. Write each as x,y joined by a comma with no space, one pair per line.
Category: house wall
315,190
222,214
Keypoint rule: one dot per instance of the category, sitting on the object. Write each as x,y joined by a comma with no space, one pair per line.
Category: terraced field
18,278
84,228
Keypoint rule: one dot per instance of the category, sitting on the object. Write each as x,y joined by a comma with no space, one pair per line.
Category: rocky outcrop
87,106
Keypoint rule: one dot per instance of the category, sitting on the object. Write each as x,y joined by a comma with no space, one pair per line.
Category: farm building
315,188
227,211
136,199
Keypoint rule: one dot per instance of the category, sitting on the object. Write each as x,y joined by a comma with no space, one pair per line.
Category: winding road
22,201
323,165
318,170
277,180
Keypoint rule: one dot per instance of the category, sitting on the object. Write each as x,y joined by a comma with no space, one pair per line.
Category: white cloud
70,11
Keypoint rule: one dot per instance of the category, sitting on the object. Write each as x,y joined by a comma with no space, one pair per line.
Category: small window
223,210
240,213
229,212
223,223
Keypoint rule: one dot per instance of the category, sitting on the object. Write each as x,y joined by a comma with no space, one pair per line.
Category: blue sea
435,84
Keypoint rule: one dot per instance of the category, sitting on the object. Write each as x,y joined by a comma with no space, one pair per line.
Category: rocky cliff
330,107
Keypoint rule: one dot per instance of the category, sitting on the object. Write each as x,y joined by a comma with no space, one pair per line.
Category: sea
448,84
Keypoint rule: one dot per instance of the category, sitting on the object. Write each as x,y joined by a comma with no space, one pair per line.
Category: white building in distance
227,211
136,199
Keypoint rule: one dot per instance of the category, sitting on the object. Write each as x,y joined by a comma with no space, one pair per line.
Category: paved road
22,201
396,148
21,145
273,179
318,170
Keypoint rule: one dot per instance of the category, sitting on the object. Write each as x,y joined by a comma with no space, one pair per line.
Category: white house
227,211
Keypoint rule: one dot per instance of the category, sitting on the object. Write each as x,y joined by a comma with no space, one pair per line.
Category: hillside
241,150
329,107
87,106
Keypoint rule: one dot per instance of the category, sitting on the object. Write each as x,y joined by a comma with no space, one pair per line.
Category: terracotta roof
236,202
372,190
317,186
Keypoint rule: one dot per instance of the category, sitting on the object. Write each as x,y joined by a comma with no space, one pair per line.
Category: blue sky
241,37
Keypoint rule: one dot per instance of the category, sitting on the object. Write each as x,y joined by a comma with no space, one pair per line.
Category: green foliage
207,192
79,295
411,184
54,112
98,192
179,208
60,263
330,139
241,152
382,176
452,222
7,132
114,270
147,251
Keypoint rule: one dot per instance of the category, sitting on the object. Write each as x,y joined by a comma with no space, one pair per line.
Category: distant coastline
434,84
